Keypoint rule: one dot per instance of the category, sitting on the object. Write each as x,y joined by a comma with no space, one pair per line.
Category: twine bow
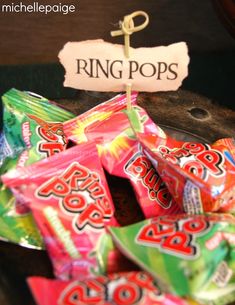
127,27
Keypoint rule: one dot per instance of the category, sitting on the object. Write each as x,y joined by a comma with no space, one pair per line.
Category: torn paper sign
101,66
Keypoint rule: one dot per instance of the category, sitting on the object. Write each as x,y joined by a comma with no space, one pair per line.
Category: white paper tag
101,66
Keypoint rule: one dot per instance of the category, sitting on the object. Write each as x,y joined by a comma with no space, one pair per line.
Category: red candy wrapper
200,177
75,129
121,155
71,203
130,288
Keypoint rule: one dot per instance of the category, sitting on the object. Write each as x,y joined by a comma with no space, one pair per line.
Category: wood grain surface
27,38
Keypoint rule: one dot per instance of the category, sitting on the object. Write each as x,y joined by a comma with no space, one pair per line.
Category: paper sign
101,66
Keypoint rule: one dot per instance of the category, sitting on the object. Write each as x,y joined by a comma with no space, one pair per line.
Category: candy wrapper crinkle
200,176
71,203
189,255
28,120
127,288
32,130
120,153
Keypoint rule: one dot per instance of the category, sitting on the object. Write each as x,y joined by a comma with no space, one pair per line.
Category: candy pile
184,250
26,138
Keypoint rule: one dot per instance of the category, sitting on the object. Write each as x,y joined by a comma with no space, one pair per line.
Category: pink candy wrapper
130,288
72,205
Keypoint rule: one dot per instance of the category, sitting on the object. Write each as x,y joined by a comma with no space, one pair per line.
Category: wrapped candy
189,255
121,155
75,129
71,204
127,288
32,130
200,177
29,121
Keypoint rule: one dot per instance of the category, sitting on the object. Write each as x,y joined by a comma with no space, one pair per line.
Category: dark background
30,42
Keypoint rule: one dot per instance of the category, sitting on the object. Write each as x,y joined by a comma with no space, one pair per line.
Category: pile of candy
184,251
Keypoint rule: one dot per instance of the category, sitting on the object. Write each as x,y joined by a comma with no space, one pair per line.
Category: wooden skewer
127,27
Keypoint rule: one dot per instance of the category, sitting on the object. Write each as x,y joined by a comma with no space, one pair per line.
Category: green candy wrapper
30,120
189,255
32,130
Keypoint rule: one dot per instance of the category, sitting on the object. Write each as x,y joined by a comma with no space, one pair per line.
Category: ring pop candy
122,156
75,129
23,115
16,222
190,255
127,288
25,127
71,203
200,177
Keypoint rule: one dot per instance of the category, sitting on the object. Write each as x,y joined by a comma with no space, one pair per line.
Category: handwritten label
101,66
